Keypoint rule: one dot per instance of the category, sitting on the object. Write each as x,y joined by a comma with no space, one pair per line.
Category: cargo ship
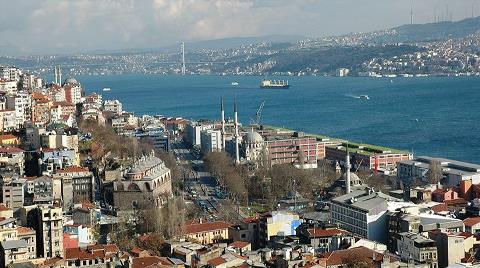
274,84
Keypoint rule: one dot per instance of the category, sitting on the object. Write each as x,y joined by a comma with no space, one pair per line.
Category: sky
72,26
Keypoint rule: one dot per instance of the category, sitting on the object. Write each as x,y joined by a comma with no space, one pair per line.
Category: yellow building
277,223
9,139
206,232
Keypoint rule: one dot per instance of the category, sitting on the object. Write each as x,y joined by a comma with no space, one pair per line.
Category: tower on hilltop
184,69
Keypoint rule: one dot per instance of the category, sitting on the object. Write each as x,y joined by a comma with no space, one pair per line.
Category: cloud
52,26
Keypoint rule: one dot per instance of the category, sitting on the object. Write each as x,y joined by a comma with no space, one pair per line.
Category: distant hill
234,42
433,31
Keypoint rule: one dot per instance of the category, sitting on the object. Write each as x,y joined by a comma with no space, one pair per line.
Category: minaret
237,153
347,161
59,76
56,75
222,110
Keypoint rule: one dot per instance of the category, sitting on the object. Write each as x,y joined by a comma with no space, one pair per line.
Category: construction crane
258,115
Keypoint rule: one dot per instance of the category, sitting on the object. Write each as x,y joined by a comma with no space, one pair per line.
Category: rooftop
365,199
471,221
318,232
205,227
13,244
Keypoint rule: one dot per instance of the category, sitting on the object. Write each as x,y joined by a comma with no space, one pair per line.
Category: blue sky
59,26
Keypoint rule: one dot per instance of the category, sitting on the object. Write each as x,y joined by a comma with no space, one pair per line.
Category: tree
232,177
171,163
435,172
324,175
167,221
152,242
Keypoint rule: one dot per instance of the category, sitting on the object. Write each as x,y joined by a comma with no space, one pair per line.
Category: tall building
22,104
10,73
194,129
73,91
362,212
47,222
13,193
211,141
78,185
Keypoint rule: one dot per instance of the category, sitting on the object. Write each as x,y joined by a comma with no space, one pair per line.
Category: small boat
234,83
364,97
274,84
106,89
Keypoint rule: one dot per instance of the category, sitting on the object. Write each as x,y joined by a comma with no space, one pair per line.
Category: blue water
429,116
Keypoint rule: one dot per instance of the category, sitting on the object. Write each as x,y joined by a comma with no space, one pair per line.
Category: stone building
142,186
48,224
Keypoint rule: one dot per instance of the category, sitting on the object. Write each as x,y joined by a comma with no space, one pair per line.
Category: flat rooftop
452,166
365,200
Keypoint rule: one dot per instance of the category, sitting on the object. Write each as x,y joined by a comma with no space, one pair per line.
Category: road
200,186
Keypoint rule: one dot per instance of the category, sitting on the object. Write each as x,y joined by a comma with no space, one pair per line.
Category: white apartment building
362,212
22,104
8,86
10,73
113,106
422,250
211,141
194,129
7,120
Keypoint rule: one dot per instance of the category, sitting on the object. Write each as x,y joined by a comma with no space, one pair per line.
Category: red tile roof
142,262
216,261
471,221
25,230
339,257
72,169
10,150
459,201
193,228
318,232
440,207
465,234
250,220
4,208
91,252
239,244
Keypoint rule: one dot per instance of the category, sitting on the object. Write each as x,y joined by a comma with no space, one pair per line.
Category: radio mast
184,69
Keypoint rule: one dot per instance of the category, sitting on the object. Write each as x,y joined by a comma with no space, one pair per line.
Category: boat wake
352,96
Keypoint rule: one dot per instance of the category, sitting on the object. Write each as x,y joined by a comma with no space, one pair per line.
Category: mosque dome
354,179
253,137
71,80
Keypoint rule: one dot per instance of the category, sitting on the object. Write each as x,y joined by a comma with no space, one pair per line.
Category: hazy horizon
56,27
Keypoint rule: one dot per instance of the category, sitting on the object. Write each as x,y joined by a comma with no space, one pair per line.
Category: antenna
447,15
411,13
184,69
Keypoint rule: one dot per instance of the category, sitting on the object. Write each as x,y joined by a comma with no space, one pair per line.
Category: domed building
355,181
253,146
142,185
70,81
